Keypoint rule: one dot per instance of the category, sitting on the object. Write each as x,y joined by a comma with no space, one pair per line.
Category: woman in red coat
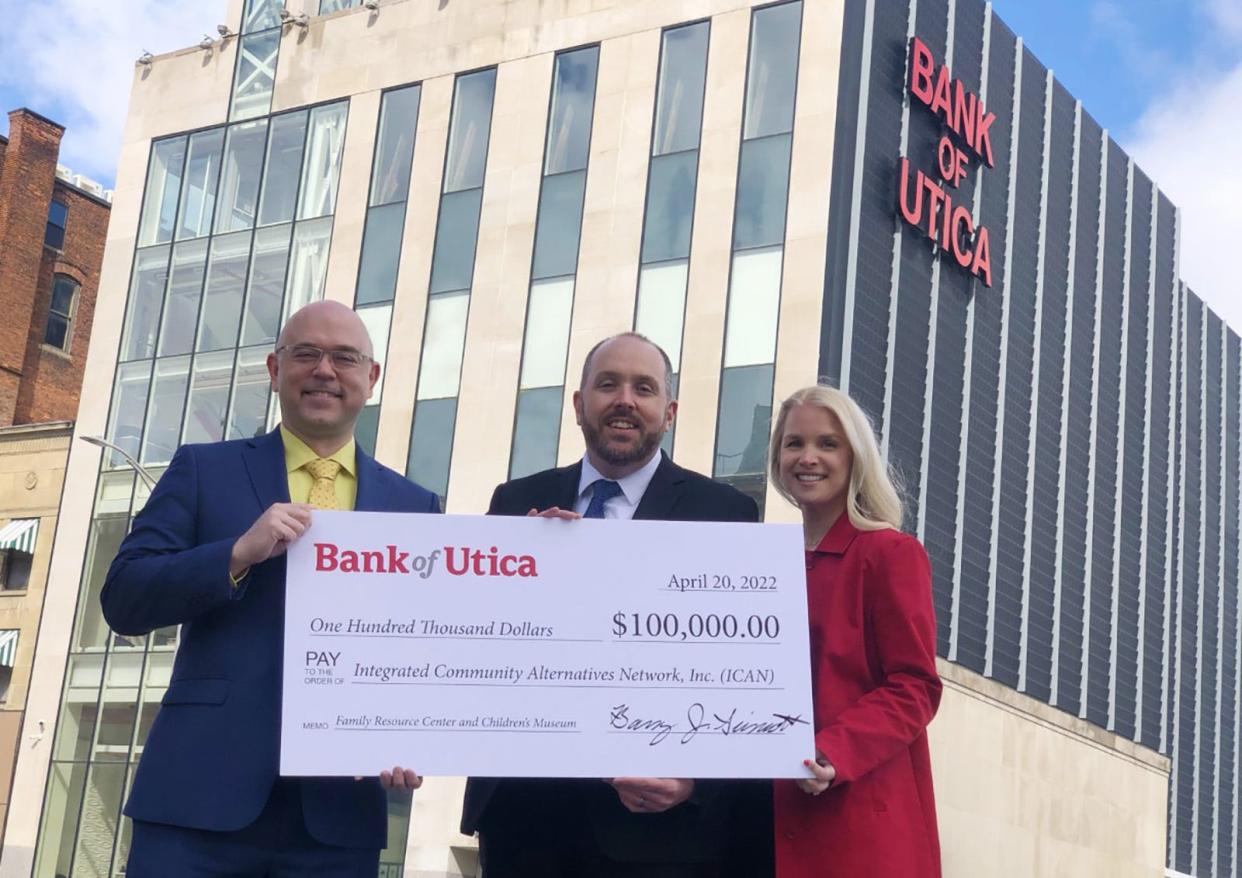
867,810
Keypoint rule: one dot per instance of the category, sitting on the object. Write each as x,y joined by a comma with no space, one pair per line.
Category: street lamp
146,477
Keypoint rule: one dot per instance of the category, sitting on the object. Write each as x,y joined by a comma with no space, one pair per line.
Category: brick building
52,230
51,245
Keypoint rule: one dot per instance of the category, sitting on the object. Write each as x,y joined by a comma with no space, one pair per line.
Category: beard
648,441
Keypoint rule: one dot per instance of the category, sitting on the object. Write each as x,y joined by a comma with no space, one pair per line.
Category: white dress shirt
633,487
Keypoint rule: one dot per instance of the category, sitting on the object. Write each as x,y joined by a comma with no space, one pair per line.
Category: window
159,202
558,229
17,543
452,272
8,655
59,332
256,74
261,15
14,570
239,180
202,171
743,420
57,215
672,181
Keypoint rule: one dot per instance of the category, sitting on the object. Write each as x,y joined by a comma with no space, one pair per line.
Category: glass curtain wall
381,238
671,186
225,219
256,59
549,305
452,273
745,412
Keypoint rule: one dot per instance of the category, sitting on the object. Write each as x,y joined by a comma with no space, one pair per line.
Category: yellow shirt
298,454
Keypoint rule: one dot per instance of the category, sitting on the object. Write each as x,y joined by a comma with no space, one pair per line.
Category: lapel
264,457
839,537
662,492
565,486
372,488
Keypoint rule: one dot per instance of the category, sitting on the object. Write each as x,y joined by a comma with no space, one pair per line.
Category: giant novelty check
526,647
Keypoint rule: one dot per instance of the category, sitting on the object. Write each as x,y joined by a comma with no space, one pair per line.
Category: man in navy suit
625,827
207,552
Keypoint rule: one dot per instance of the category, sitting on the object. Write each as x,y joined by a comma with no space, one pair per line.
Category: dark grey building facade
1069,433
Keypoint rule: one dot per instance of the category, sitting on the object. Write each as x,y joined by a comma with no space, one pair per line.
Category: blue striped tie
602,490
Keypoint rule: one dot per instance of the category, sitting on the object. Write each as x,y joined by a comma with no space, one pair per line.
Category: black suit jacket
704,828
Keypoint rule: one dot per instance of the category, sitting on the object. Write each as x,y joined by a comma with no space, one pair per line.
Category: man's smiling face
322,401
623,406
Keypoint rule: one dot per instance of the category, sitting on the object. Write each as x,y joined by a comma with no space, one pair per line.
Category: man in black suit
621,827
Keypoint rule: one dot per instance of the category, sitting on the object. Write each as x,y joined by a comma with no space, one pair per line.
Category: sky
1163,76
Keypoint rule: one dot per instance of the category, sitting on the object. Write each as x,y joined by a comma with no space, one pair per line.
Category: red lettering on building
961,109
929,207
927,204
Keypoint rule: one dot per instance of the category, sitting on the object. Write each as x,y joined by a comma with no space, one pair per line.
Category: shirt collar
633,486
298,453
839,537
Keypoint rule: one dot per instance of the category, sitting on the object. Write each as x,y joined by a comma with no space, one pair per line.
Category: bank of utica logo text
457,561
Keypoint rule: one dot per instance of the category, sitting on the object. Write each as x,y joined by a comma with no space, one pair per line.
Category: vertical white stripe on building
1041,274
1089,549
990,652
1182,331
894,284
1194,811
860,149
964,435
1144,506
1172,520
929,384
1237,651
1063,452
1127,251
1220,589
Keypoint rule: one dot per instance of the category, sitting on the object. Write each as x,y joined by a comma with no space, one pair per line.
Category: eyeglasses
309,357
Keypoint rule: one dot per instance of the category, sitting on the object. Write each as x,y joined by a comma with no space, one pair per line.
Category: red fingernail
806,762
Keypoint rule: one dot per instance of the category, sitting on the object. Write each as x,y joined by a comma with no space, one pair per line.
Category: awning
8,648
20,534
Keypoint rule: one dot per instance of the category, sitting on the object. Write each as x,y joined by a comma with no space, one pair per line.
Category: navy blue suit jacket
213,751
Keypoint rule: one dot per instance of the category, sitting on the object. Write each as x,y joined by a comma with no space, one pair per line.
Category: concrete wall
1026,791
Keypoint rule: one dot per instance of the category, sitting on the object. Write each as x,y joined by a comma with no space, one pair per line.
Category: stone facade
32,474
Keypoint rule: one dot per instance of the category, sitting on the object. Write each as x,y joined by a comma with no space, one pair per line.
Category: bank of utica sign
928,200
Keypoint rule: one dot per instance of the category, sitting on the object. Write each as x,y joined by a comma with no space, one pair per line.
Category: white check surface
523,647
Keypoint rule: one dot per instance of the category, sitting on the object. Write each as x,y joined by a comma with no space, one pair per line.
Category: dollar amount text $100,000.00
696,626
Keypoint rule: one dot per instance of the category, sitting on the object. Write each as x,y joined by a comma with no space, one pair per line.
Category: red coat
873,650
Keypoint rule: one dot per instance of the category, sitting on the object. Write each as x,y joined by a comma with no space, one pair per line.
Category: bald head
339,321
627,339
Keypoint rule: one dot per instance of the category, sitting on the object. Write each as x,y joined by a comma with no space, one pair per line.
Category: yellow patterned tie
323,491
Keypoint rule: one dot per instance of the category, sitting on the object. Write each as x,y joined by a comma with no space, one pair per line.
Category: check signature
698,721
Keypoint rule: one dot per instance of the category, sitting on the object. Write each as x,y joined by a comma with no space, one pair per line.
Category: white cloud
73,60
1189,140
1227,15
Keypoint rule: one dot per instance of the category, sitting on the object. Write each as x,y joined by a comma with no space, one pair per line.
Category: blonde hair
874,501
